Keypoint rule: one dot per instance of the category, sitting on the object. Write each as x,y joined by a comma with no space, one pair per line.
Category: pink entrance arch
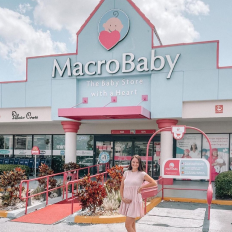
210,188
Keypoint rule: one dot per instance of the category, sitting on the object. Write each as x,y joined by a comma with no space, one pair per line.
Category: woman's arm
151,181
122,188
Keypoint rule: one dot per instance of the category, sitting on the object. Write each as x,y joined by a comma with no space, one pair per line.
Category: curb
202,201
108,219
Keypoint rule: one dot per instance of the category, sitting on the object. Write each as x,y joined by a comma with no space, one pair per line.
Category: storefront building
109,96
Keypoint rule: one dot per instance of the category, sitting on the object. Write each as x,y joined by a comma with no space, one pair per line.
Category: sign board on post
186,168
35,151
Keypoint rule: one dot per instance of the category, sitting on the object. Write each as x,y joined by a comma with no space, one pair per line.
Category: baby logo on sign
113,27
178,132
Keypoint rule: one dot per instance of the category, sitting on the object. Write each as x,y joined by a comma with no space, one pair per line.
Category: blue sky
43,27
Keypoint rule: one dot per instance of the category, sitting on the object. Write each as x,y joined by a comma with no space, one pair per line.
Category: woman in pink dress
130,191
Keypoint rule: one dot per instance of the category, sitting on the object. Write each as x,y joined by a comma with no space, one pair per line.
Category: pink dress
132,182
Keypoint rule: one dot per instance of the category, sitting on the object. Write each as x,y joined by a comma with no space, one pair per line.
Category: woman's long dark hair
140,168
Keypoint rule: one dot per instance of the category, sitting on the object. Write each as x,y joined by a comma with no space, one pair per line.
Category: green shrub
223,184
11,167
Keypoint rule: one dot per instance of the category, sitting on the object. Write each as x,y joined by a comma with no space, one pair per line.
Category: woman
217,163
194,153
130,191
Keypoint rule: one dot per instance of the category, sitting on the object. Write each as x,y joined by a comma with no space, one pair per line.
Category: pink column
166,143
70,129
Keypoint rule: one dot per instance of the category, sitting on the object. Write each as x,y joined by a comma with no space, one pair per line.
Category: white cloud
69,14
169,20
20,40
23,8
167,15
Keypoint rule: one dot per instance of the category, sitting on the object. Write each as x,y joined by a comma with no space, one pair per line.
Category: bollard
29,199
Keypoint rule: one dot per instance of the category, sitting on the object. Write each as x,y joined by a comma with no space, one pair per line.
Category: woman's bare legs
130,224
133,226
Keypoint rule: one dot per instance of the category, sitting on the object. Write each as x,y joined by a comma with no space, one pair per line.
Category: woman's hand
140,189
126,201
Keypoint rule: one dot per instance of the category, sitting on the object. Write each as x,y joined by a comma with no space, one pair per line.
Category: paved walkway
166,217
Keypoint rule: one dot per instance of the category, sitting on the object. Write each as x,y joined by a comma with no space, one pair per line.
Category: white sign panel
186,169
25,114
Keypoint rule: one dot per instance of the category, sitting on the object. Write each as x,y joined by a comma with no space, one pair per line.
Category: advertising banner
220,157
189,146
186,168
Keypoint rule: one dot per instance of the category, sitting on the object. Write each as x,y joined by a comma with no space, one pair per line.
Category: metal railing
74,174
73,182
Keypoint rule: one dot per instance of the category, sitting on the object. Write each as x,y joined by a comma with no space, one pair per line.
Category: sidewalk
166,217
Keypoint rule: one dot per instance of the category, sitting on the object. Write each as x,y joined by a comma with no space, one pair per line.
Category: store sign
4,152
178,132
113,28
218,109
28,115
186,168
84,153
35,150
133,131
129,64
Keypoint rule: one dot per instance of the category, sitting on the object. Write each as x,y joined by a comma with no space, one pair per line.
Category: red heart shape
109,40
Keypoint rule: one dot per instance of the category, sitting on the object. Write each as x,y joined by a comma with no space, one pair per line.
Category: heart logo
109,39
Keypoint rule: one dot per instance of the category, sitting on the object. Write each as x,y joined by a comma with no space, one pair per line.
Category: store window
123,153
6,145
44,142
58,157
22,145
84,150
141,150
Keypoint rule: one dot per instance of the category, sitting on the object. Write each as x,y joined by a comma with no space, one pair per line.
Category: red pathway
50,214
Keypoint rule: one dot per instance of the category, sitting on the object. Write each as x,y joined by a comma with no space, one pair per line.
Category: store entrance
121,147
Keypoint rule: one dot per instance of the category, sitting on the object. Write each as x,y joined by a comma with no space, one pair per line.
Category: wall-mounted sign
133,131
113,28
4,152
186,168
127,65
28,115
218,109
84,152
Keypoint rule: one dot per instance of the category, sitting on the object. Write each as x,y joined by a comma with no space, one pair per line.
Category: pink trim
203,42
153,30
166,123
65,54
70,126
125,112
152,37
86,22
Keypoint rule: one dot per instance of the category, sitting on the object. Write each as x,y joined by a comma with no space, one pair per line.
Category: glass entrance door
122,153
104,146
141,150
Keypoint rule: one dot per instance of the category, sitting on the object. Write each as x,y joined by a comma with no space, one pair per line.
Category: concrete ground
167,216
